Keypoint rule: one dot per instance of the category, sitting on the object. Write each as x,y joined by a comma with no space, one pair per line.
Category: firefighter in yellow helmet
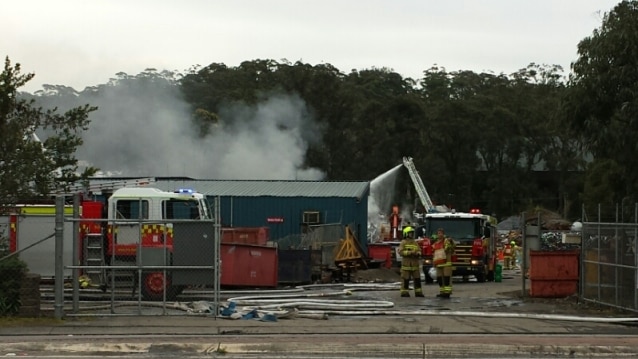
442,260
507,254
515,255
410,252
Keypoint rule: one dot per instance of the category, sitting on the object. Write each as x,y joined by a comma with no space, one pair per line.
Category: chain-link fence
4,236
130,264
609,265
88,265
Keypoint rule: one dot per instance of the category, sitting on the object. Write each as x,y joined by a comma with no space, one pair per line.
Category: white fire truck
129,226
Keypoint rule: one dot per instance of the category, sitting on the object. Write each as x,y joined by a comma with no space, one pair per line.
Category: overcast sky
81,43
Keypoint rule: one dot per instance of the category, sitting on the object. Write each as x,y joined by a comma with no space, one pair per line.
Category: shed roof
254,188
261,188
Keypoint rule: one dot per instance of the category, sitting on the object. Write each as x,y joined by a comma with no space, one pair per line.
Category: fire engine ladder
94,257
418,184
112,185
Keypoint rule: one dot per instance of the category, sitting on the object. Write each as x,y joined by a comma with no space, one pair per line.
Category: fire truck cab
475,237
154,204
138,219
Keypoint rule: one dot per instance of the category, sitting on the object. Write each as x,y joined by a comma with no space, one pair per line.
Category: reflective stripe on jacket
410,252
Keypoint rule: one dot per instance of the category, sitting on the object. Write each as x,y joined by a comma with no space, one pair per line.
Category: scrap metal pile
553,241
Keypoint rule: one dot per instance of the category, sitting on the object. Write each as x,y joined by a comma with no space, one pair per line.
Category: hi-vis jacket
443,250
410,252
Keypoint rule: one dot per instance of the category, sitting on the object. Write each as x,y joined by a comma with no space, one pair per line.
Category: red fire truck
475,236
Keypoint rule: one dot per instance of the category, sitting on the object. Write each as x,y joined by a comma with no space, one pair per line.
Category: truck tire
153,287
481,276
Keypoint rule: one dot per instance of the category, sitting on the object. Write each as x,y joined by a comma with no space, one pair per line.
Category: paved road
478,322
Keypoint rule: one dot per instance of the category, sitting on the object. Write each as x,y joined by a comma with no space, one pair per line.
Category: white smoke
148,132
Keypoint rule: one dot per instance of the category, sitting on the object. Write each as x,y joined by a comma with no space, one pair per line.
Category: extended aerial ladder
418,185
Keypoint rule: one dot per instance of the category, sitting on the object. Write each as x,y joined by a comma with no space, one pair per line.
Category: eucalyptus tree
603,103
451,135
380,123
561,152
30,167
320,88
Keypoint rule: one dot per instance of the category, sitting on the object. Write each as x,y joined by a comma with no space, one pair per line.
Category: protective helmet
407,230
432,273
513,243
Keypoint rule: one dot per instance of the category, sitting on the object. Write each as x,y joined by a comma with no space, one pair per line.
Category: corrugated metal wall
256,211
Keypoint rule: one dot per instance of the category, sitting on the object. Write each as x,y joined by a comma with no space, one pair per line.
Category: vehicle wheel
480,276
153,287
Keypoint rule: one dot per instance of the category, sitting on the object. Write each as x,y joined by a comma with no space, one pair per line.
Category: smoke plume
148,132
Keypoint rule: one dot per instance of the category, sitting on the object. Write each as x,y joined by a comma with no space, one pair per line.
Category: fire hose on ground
304,302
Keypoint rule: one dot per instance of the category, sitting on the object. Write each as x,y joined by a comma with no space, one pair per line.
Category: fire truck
474,233
128,235
134,219
123,225
475,236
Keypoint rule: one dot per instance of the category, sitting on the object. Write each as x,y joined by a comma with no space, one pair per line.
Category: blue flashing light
185,191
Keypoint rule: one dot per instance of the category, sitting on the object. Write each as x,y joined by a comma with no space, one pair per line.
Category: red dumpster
245,265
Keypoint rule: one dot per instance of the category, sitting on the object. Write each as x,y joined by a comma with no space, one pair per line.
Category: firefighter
515,254
443,250
507,254
410,252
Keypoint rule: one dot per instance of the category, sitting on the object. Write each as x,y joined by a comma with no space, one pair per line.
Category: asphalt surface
480,320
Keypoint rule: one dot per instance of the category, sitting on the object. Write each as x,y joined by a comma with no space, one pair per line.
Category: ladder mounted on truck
418,184
109,186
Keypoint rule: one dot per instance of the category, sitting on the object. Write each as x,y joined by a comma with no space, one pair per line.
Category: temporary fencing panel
36,245
5,228
609,262
326,238
194,246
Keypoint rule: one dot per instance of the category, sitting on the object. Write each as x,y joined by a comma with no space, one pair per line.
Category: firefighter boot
439,281
418,290
446,290
405,287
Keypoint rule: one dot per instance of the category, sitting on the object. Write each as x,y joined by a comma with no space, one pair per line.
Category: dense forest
501,142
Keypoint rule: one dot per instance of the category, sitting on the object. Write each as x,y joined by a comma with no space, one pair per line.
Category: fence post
76,252
217,270
525,252
59,263
636,254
